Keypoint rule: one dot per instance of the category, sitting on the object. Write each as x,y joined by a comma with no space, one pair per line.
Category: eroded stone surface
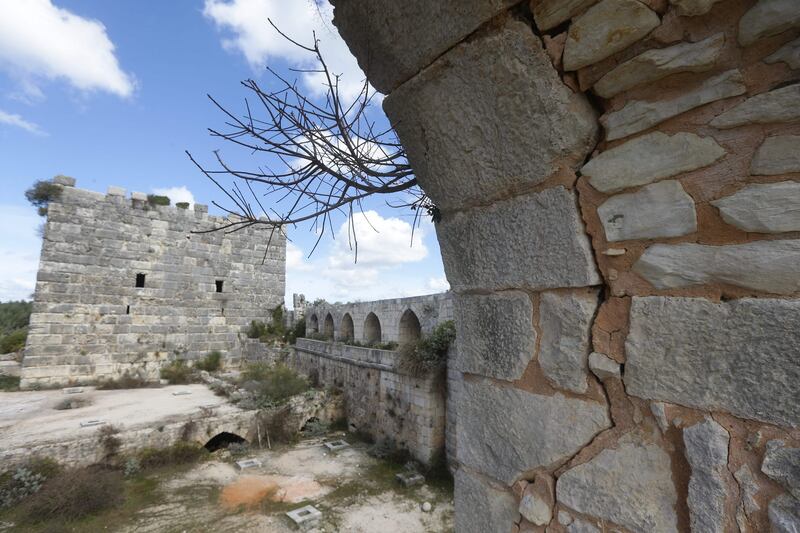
657,64
582,526
777,155
540,237
649,158
603,366
550,13
769,266
788,53
392,41
640,115
565,322
707,452
784,514
630,485
536,504
748,488
494,429
467,121
693,8
495,334
763,208
767,18
656,211
779,105
702,354
605,29
782,464
481,505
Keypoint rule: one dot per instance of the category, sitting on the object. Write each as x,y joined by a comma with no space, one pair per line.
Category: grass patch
180,453
9,383
127,381
211,362
273,385
178,373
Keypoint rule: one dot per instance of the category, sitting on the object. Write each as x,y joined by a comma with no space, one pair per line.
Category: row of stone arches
409,330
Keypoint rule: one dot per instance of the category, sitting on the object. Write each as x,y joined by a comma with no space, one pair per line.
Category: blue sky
112,93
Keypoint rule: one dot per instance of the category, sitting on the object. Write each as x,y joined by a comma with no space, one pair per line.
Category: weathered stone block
784,514
639,115
788,53
603,366
707,452
649,158
491,115
654,65
550,13
778,105
393,41
693,8
768,18
494,429
605,29
782,464
540,237
702,354
630,485
777,155
115,191
536,504
656,211
769,266
66,181
763,208
495,334
482,505
565,320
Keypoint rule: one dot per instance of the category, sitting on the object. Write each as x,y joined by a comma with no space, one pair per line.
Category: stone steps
10,368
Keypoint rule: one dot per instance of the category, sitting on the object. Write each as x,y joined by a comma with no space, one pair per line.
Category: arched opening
372,329
410,329
313,324
223,440
328,327
346,328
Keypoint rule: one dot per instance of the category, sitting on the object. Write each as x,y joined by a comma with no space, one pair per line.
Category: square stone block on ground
305,517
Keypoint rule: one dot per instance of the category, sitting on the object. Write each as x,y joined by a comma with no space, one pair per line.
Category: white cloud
19,247
19,122
176,194
438,284
39,40
295,261
250,33
381,242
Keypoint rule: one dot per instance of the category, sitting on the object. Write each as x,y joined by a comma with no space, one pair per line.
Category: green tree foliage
14,317
429,354
41,194
155,199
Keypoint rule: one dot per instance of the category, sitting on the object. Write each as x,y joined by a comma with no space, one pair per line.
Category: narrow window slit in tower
219,285
139,281
128,310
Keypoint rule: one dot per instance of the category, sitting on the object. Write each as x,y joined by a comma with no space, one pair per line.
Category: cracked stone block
701,354
182,393
493,430
784,514
656,64
540,236
788,53
393,41
248,463
707,453
482,505
649,158
749,488
660,210
410,478
305,517
605,29
536,504
693,8
603,366
550,13
582,526
768,18
565,322
495,334
769,266
73,390
92,423
489,116
763,207
777,155
336,445
640,115
782,464
775,106
630,485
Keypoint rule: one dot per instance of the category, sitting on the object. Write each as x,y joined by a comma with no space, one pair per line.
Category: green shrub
297,332
273,385
182,205
155,199
211,362
273,331
75,494
14,316
177,373
127,381
41,194
9,383
429,354
13,342
180,453
257,329
25,480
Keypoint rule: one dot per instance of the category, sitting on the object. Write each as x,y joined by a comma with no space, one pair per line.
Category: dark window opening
128,310
219,285
223,440
139,281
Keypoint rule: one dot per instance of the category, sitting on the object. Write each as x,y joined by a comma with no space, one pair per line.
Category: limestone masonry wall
619,188
90,320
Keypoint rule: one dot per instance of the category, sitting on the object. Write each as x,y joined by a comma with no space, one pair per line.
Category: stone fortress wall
619,183
90,320
382,400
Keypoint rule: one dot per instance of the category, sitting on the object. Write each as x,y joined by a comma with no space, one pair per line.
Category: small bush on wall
156,199
428,355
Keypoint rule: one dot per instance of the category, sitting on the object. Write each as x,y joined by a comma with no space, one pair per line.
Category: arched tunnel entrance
223,440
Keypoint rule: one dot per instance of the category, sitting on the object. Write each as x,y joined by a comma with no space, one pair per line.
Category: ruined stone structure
127,286
382,399
619,183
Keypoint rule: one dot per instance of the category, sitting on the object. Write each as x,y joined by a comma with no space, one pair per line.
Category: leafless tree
321,157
